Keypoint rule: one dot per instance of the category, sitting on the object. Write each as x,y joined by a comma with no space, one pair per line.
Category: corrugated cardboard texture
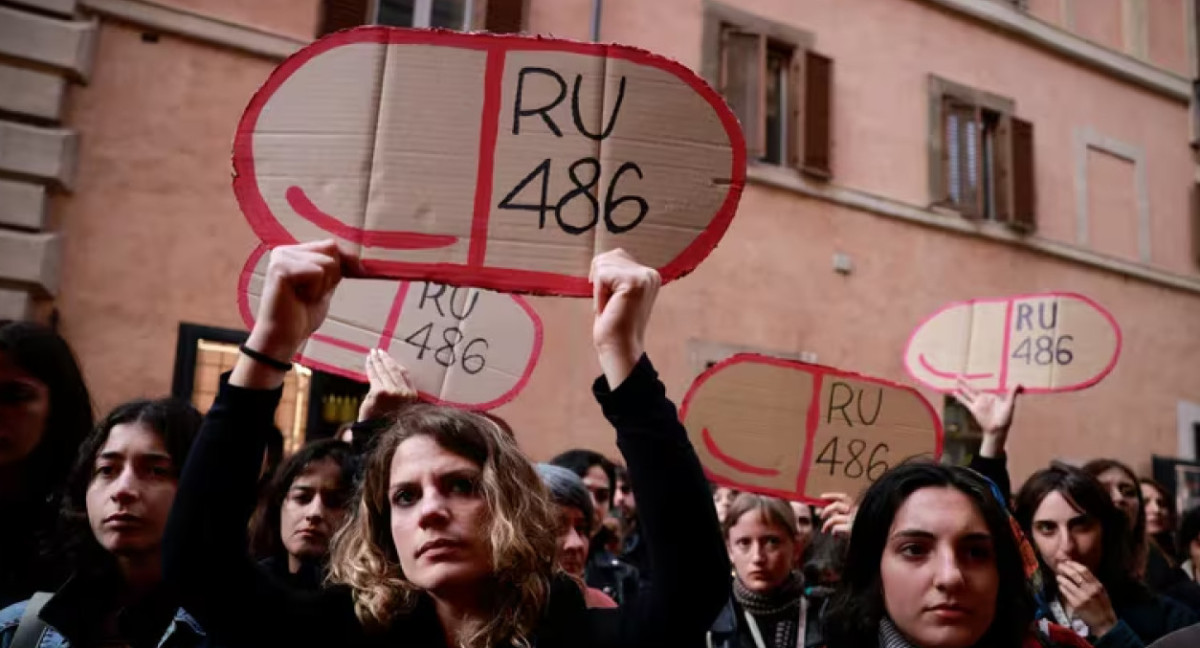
461,346
1045,343
504,162
797,431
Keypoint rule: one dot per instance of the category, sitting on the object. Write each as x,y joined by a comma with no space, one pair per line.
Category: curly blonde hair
522,529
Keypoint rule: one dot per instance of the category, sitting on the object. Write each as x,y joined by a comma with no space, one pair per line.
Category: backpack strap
31,630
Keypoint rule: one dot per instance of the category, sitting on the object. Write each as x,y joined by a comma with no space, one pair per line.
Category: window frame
943,96
721,19
423,14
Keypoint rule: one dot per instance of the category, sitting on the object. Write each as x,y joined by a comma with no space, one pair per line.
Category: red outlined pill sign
465,347
796,430
1048,342
503,162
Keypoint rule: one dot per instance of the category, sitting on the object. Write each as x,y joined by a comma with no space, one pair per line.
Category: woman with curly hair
454,538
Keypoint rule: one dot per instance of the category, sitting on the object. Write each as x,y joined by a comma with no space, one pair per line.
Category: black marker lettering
878,406
1053,316
469,306
435,297
841,407
519,112
1024,314
612,119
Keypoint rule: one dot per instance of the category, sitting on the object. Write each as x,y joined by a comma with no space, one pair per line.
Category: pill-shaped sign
1048,342
797,431
498,161
465,347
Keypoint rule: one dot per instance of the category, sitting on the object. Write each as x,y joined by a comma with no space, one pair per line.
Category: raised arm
994,414
679,526
205,557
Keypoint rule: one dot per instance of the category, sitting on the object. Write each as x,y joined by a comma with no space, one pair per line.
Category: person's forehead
1115,476
324,471
942,512
755,523
596,476
1056,508
420,456
133,439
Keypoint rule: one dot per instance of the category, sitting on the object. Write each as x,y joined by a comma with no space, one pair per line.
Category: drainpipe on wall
595,26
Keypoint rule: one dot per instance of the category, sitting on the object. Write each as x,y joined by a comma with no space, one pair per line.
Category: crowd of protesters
426,526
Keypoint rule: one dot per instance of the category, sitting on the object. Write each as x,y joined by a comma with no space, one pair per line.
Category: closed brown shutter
505,16
743,62
1002,186
818,114
1024,198
341,14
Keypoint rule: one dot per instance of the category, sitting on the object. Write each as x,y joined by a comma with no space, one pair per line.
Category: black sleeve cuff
255,408
640,392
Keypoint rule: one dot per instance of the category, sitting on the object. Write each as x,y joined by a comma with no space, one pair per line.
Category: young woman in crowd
933,562
722,497
306,504
768,608
1161,516
1189,544
453,540
1084,543
115,507
575,527
1153,563
45,413
804,515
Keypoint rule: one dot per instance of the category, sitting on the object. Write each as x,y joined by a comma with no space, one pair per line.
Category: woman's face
1062,532
24,409
439,517
132,487
762,552
573,540
1124,492
1158,516
722,499
804,523
313,509
939,574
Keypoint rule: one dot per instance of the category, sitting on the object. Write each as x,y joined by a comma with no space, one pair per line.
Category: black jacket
205,555
614,577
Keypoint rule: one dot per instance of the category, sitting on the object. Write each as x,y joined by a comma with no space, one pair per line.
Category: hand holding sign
502,162
1046,343
797,431
461,346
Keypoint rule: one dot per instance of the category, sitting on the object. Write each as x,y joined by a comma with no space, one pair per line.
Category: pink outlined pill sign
796,430
465,347
497,161
1048,342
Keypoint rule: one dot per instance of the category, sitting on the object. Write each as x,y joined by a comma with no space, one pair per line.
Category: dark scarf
779,608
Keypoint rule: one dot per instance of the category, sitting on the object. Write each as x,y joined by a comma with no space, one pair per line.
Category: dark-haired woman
305,505
45,413
933,562
116,505
1088,562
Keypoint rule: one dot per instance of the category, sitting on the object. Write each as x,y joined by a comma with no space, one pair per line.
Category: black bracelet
265,359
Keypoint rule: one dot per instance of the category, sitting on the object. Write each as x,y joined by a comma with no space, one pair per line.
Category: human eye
912,550
1044,528
979,552
405,496
105,469
462,486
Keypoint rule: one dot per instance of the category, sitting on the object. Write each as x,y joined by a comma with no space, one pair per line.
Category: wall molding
1059,41
197,26
1087,139
790,180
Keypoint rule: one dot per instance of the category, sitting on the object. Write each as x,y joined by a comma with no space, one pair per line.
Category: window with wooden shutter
1024,216
505,16
961,155
818,97
342,14
742,67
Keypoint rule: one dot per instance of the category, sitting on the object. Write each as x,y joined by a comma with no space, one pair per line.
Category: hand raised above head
623,296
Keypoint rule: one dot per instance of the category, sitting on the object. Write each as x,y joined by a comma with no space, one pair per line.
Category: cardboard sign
465,347
795,430
505,162
1046,343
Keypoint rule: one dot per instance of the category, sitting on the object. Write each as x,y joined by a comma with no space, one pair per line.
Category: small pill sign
498,161
465,347
795,430
1050,342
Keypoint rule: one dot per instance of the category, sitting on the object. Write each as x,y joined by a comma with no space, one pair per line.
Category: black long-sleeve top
206,560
